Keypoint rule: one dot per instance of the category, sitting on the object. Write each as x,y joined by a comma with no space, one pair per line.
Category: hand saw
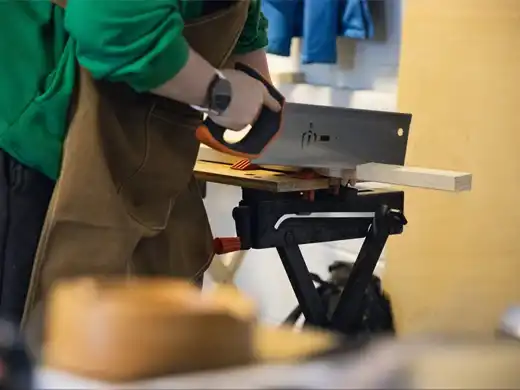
363,145
314,136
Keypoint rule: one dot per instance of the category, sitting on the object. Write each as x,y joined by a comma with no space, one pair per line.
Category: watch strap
206,108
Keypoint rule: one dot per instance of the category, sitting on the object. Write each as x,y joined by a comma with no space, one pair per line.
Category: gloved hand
248,98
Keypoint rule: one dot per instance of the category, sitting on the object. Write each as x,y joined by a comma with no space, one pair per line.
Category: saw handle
262,131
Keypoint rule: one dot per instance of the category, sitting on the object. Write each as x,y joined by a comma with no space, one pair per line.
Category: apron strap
60,3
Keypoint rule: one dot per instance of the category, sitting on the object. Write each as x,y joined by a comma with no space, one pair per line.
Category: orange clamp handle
223,245
262,132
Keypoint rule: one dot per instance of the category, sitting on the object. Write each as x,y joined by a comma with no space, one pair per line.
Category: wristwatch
218,96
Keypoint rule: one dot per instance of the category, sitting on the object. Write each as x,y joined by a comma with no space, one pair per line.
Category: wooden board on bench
261,179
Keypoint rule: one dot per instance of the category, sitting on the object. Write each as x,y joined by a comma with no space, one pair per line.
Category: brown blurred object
125,330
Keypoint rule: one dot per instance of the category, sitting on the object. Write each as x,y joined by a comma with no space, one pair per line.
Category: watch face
221,95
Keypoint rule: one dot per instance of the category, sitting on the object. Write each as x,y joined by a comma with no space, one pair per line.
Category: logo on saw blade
309,136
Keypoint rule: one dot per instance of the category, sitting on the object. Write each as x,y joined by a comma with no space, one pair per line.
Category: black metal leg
346,317
308,298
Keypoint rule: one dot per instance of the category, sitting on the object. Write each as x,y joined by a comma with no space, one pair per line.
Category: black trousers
24,198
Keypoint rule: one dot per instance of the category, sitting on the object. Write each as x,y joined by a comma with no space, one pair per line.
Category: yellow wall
457,266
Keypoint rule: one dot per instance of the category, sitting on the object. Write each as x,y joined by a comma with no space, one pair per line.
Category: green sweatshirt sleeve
254,35
138,42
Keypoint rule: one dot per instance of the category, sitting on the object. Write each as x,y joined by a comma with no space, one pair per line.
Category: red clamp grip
223,245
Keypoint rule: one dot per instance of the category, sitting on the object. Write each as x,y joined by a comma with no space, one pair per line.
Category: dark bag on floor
375,315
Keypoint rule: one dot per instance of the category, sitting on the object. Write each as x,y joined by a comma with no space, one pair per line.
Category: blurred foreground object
124,330
419,363
15,363
452,364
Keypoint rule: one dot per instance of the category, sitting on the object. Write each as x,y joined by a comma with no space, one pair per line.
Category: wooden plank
426,178
260,179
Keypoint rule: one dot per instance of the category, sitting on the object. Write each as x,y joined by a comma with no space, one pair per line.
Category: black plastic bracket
286,220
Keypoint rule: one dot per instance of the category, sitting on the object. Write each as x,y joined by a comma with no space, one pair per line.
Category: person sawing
97,134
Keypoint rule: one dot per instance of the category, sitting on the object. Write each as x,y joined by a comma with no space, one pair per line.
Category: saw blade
337,138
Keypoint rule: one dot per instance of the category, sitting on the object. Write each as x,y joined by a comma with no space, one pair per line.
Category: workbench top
260,179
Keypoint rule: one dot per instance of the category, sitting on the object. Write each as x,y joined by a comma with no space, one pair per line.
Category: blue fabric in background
319,23
357,20
320,29
283,17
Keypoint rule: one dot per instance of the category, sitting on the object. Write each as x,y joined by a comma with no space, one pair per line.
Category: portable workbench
285,210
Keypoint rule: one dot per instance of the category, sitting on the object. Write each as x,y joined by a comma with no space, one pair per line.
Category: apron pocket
170,153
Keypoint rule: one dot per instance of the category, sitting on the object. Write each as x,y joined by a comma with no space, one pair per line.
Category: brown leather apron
127,202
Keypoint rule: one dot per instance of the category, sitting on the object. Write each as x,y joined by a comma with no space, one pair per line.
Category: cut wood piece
434,179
